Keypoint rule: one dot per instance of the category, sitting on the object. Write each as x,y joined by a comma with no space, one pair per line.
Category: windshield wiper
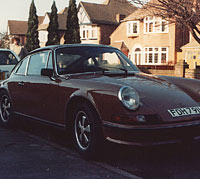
106,69
121,69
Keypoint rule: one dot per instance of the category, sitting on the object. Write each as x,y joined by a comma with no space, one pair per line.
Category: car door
32,94
17,89
41,90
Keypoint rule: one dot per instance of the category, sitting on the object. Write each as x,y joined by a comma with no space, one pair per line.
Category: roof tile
17,27
106,13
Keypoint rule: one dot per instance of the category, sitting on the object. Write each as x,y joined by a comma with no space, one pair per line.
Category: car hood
157,95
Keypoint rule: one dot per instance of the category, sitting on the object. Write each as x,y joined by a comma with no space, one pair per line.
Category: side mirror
47,72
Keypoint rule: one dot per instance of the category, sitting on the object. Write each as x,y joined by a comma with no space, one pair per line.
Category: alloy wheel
5,108
82,130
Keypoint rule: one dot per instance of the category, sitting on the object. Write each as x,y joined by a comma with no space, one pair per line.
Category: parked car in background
98,94
8,59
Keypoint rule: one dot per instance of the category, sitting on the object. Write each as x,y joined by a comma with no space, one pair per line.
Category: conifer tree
32,41
53,35
72,33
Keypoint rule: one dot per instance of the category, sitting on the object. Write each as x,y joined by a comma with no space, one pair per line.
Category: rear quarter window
22,67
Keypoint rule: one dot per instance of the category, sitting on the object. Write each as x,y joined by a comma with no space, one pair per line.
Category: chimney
120,17
106,2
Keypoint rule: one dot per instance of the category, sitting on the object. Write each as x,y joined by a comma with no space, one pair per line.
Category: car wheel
87,131
6,111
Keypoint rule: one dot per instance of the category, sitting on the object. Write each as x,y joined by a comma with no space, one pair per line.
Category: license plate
178,112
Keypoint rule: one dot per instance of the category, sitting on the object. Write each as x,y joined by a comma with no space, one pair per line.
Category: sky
19,9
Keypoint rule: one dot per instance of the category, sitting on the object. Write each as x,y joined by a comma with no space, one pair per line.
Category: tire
6,111
87,131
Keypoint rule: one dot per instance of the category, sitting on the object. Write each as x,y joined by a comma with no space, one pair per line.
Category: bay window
156,55
155,25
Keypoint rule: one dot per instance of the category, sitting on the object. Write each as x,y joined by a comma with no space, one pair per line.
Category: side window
22,67
37,62
7,58
50,64
12,59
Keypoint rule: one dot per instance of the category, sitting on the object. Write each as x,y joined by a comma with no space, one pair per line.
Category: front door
137,56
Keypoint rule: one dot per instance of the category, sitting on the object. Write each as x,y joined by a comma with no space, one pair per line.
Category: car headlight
129,97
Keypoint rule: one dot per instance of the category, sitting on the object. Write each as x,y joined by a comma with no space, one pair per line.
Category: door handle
21,83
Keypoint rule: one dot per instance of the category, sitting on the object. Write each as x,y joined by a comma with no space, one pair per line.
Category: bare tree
182,12
4,40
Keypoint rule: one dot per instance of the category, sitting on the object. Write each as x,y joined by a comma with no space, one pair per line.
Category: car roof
53,47
5,49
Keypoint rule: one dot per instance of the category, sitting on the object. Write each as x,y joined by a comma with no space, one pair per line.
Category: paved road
32,151
25,155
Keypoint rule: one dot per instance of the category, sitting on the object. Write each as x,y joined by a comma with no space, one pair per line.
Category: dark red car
96,92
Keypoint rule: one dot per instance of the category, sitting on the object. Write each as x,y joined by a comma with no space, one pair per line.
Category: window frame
19,65
129,27
49,51
153,52
48,59
155,28
137,56
87,31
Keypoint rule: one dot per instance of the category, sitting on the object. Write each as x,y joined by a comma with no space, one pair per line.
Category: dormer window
133,28
155,25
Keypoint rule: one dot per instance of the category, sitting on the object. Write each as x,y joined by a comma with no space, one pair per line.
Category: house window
163,55
94,32
150,55
43,36
155,25
163,26
150,27
88,32
129,56
156,55
132,28
83,34
146,58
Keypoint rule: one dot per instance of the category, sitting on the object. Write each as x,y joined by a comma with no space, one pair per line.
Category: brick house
19,29
42,29
150,41
191,53
98,21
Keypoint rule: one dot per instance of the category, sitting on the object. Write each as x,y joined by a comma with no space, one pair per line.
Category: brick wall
105,32
181,70
163,72
159,72
192,73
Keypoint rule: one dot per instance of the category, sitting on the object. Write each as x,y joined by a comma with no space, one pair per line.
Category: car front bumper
143,135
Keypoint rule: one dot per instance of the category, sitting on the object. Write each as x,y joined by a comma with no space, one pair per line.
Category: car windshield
91,59
7,58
